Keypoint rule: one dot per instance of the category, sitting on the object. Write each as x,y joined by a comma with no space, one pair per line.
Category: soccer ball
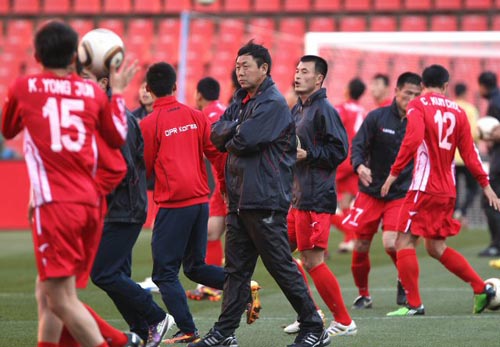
495,301
98,49
485,125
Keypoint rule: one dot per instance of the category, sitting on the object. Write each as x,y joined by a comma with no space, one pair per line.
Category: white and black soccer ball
485,126
495,301
98,49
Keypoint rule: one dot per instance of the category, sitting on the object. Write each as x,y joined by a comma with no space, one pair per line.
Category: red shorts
367,212
429,216
348,184
66,237
218,207
308,229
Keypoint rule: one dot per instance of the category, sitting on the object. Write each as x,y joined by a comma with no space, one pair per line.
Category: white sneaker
337,329
149,285
294,328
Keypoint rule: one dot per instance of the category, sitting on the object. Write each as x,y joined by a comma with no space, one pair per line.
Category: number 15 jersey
60,116
436,127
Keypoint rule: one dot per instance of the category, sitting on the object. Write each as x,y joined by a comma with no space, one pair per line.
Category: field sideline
448,301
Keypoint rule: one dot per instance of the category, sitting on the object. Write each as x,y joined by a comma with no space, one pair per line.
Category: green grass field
448,301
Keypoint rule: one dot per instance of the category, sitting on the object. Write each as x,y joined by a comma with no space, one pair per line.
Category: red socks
303,273
47,344
328,287
115,337
215,254
360,268
458,265
408,271
393,255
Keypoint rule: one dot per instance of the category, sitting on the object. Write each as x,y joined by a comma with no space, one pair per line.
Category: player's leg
457,264
49,325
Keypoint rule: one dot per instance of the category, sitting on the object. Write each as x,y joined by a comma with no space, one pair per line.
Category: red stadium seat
167,44
176,6
202,26
115,25
81,26
56,6
262,30
86,6
324,24
297,5
293,25
26,6
478,4
383,23
237,6
474,23
21,28
495,23
387,5
444,23
267,5
448,4
117,6
4,6
213,7
417,5
326,5
148,6
353,23
230,36
141,26
357,5
413,23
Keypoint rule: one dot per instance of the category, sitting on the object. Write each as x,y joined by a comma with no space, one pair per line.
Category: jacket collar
165,101
242,93
319,94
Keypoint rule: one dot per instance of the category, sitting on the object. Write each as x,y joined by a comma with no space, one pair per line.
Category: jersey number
60,117
442,121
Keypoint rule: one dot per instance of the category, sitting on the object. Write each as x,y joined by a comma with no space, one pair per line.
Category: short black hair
408,77
435,76
488,79
320,64
383,77
460,89
209,88
259,53
161,78
356,88
56,44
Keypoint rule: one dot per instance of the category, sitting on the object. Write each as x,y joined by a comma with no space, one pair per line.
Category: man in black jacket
258,132
488,88
323,147
126,213
374,149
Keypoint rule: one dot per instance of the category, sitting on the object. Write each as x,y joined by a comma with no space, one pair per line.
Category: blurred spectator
7,153
488,88
352,115
465,199
146,102
379,88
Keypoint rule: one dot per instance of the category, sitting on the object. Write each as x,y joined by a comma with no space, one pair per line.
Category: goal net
464,54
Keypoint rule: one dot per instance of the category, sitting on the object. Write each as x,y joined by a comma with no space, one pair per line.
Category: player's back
352,115
60,116
444,123
214,111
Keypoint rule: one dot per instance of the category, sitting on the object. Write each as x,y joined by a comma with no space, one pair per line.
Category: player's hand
120,78
387,185
365,175
492,198
301,154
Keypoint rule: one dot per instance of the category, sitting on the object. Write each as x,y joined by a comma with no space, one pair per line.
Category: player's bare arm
387,185
493,200
364,174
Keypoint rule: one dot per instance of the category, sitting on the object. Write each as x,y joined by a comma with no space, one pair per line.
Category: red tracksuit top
175,138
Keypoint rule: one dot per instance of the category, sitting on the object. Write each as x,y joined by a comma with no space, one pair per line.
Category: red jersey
352,115
61,116
436,127
175,138
213,111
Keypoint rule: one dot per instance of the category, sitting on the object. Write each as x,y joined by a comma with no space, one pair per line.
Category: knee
433,251
102,279
192,272
362,246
